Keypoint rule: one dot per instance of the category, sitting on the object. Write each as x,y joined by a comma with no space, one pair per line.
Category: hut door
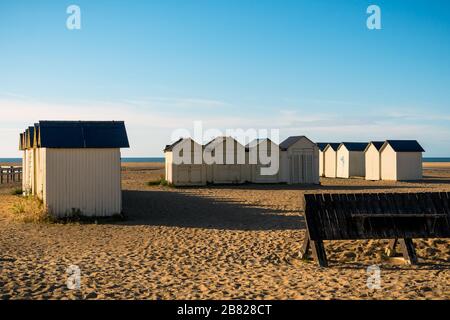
302,167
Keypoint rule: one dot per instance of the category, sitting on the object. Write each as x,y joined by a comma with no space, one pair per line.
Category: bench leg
304,251
390,250
408,250
319,254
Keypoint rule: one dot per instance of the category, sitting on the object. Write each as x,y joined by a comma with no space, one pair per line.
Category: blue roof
82,134
323,145
355,146
405,145
377,144
334,146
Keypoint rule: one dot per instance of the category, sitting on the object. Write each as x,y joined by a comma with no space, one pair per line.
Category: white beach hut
351,161
184,163
75,166
373,160
224,158
299,161
322,146
401,160
263,155
330,159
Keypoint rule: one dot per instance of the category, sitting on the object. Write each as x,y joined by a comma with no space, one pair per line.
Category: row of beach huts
394,160
300,161
74,167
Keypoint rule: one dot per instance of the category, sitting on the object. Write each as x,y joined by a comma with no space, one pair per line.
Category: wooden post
408,250
390,250
319,254
304,251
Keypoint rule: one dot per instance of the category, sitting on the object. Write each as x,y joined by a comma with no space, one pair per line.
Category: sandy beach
221,242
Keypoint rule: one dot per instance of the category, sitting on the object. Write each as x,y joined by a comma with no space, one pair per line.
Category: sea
158,159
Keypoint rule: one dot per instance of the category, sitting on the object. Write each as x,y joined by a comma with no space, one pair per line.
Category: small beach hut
184,163
76,166
330,159
322,146
299,161
373,160
261,155
351,161
224,158
401,160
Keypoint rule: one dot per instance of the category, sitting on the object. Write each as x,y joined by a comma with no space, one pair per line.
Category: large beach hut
373,160
184,163
224,158
263,161
330,159
351,161
76,166
299,161
401,160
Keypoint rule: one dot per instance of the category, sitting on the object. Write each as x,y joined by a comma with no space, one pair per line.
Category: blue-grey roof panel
355,146
334,146
83,134
405,145
323,145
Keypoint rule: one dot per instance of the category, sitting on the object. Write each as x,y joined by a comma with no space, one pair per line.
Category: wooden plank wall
378,216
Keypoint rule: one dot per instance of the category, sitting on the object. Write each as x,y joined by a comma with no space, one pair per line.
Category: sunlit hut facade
373,160
76,166
299,161
26,146
351,161
184,163
330,159
401,160
322,146
224,158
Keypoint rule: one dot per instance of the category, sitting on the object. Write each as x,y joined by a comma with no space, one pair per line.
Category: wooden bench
399,217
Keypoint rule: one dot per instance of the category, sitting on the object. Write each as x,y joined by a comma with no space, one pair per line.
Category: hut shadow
312,187
432,180
176,209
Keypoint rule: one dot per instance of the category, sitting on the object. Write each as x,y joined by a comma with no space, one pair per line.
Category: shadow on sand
176,209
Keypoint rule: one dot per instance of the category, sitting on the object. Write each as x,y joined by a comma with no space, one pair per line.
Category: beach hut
322,146
330,158
351,161
261,156
224,158
401,160
299,161
184,163
373,160
28,163
76,166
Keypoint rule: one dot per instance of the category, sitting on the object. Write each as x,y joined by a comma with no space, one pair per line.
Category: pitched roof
404,145
256,142
355,146
376,144
169,147
323,145
333,146
290,141
82,134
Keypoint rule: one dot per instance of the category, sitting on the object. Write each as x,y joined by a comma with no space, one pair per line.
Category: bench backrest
377,215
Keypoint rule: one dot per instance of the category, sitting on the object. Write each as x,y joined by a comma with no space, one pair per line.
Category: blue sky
304,67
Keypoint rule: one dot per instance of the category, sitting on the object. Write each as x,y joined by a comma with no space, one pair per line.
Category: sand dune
223,242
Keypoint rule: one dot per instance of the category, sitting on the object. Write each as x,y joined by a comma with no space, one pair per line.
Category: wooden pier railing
10,174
